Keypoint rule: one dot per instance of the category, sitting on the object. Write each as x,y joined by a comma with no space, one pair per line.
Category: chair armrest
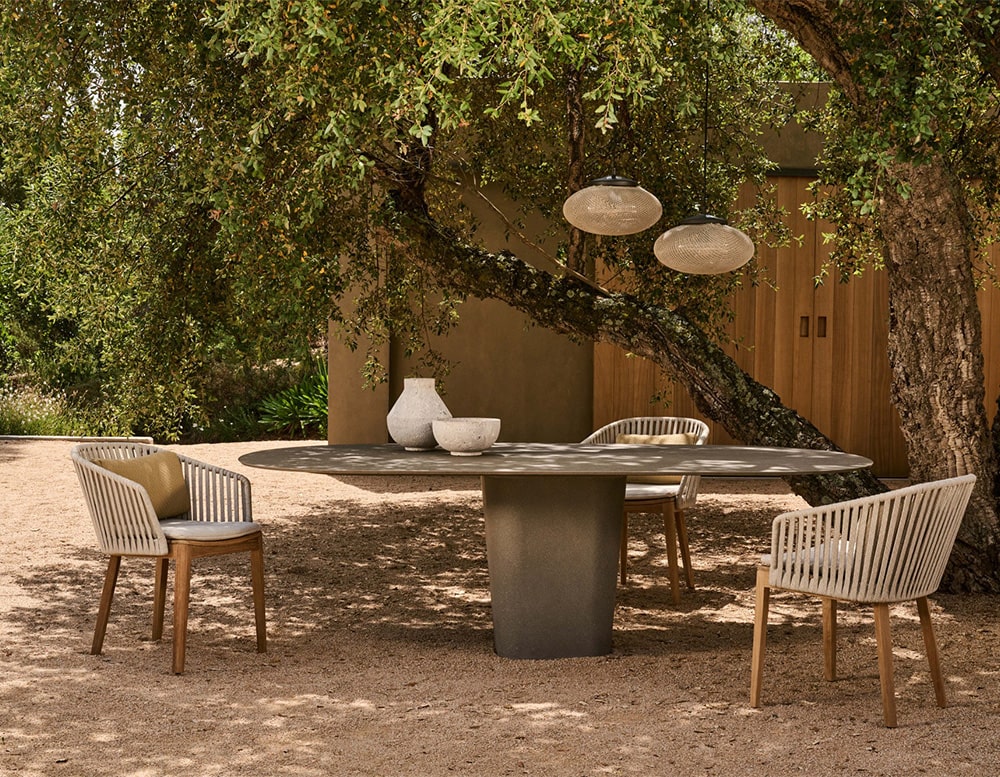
811,551
217,494
122,514
886,548
687,492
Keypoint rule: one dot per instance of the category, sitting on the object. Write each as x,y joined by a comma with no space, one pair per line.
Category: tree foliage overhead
120,132
185,185
918,85
426,96
189,185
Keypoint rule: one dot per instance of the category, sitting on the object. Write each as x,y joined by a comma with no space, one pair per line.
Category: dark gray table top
558,459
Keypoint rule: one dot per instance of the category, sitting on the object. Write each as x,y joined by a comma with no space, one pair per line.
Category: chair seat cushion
161,475
182,529
682,438
635,491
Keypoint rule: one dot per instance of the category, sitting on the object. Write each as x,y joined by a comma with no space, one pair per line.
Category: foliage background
187,192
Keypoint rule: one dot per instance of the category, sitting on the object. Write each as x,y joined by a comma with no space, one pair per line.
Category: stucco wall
538,383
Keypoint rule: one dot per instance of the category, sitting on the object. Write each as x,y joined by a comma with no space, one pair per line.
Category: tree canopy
187,185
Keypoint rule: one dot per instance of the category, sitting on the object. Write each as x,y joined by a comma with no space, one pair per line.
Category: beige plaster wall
791,147
355,414
538,383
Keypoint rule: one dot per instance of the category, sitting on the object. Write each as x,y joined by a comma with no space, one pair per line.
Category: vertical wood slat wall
822,349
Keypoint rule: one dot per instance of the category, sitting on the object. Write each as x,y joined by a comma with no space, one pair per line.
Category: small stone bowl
466,436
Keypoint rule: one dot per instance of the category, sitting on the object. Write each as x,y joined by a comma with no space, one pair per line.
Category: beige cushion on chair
207,531
683,438
161,475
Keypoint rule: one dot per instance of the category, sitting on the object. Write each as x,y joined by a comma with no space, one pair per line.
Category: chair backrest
122,513
887,548
649,425
120,509
687,486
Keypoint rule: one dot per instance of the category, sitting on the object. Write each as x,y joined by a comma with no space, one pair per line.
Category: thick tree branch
749,411
812,24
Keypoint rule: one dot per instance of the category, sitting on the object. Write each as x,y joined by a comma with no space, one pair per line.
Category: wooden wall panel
861,351
843,327
625,386
826,403
801,257
839,381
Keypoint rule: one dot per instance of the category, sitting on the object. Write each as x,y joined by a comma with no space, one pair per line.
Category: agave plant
301,408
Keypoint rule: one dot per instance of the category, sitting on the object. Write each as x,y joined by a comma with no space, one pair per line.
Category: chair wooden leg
829,638
623,551
182,597
670,531
930,644
104,611
759,634
682,539
257,578
159,596
883,638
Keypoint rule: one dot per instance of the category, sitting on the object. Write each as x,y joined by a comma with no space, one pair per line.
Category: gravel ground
380,658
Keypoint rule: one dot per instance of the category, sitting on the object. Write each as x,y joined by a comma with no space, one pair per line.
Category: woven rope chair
218,521
877,550
670,499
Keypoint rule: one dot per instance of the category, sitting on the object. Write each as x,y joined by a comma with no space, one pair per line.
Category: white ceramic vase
410,418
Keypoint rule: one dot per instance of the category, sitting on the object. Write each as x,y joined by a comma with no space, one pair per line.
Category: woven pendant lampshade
703,245
612,206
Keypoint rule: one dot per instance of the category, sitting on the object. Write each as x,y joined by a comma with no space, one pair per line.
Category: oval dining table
553,515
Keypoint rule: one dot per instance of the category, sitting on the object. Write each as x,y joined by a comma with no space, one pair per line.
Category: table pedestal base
552,547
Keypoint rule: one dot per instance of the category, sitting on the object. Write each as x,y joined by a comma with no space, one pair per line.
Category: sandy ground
380,657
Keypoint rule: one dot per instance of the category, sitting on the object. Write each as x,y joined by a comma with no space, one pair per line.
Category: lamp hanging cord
704,115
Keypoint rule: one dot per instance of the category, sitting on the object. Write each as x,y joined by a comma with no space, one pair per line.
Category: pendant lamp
702,244
612,206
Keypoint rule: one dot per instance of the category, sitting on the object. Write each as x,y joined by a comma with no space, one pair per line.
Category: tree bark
935,348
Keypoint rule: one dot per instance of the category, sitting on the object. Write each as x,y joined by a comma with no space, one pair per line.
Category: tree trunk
935,347
935,332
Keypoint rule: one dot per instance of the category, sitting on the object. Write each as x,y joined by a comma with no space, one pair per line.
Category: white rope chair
216,519
877,550
669,496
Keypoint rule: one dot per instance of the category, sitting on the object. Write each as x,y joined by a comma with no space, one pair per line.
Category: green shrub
300,409
229,399
32,411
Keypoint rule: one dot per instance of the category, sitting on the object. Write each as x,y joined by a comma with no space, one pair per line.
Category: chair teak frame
878,550
219,522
